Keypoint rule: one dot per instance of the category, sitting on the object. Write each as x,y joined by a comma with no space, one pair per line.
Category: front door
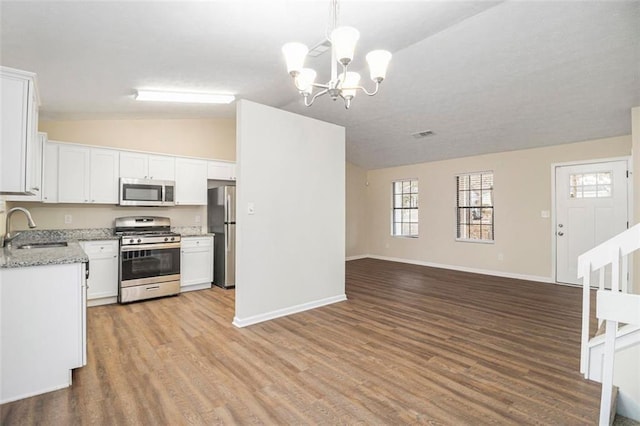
591,207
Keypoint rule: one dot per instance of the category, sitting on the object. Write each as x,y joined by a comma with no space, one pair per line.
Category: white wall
290,253
522,181
356,210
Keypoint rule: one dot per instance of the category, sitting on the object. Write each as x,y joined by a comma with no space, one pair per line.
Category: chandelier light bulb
343,40
294,54
378,61
305,80
350,83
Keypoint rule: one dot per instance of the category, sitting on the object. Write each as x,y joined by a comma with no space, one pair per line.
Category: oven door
149,263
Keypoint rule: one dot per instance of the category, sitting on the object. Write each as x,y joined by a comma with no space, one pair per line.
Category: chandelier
343,42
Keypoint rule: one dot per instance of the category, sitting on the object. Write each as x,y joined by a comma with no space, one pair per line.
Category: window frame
394,208
458,208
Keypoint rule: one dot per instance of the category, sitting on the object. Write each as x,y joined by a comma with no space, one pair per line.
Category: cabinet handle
35,188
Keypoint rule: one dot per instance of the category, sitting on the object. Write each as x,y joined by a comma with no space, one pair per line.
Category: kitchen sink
43,245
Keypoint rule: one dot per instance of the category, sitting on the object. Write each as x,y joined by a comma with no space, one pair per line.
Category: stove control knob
139,240
173,238
166,239
130,241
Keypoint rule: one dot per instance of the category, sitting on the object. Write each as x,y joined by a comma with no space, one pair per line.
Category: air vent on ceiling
319,49
423,134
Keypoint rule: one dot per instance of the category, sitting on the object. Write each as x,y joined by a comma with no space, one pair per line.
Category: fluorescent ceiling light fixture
198,98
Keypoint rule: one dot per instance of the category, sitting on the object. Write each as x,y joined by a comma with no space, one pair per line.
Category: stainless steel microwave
146,192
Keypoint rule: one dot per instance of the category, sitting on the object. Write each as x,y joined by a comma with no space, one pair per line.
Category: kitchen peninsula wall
204,138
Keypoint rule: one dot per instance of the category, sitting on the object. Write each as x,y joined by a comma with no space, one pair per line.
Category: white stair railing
614,305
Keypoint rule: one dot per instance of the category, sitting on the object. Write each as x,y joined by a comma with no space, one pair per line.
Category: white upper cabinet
87,175
219,170
191,182
103,181
36,167
146,166
18,132
134,165
50,173
162,167
73,174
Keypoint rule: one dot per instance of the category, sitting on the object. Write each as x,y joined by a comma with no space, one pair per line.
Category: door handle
560,233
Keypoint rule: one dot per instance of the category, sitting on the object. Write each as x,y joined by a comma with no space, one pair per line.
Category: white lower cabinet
42,328
103,271
196,263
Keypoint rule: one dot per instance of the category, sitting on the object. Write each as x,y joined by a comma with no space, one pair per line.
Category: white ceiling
484,76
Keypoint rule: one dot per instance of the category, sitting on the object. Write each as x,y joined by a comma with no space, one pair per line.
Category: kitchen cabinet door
191,182
134,165
103,274
73,174
37,158
18,131
50,172
196,263
219,170
103,176
162,167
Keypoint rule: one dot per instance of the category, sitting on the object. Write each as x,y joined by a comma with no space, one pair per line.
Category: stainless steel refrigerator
221,220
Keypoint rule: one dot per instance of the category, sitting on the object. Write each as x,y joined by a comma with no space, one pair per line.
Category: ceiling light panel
198,98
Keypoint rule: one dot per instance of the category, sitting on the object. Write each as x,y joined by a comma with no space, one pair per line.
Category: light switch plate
251,208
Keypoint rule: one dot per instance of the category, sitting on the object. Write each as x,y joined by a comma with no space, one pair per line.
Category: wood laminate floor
411,345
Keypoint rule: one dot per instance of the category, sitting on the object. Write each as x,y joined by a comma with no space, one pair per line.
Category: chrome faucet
7,236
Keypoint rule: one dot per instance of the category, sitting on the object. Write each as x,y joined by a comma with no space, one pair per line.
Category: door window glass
590,185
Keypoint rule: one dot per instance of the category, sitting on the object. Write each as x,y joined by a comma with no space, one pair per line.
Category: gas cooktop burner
145,230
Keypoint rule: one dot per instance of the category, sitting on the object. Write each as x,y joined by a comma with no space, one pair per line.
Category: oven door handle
150,247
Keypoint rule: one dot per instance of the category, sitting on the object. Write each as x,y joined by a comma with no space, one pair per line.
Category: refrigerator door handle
227,212
226,238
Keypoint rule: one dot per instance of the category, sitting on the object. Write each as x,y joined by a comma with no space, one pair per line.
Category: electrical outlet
68,219
500,256
197,220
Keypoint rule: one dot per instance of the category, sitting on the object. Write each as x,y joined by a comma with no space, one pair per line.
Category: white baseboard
243,322
195,287
102,301
465,269
360,256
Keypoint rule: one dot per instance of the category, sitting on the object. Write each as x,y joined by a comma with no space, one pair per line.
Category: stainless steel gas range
149,258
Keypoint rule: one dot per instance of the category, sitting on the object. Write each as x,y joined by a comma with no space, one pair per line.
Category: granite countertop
17,258
201,234
190,231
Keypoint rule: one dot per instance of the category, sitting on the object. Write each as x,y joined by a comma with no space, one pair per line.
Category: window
474,208
405,208
590,185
